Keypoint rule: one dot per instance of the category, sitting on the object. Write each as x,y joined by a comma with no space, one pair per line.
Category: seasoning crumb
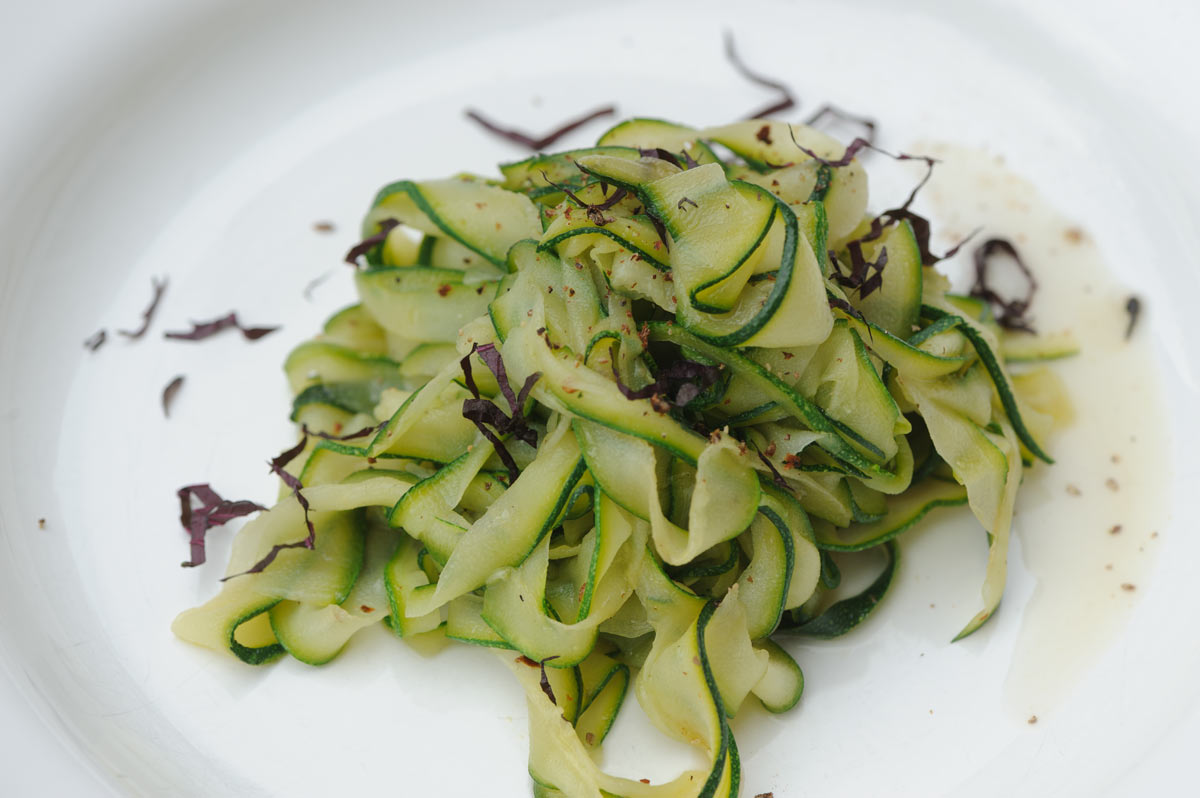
1111,484
1116,529
1032,720
765,795
324,227
644,781
1073,490
1073,234
1108,567
365,608
41,523
1116,458
1128,587
1153,535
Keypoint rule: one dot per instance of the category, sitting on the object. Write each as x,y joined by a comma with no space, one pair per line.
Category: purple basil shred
539,142
544,681
864,276
370,242
277,465
1010,313
660,154
678,383
659,228
362,433
213,511
920,225
168,394
785,101
852,149
831,110
860,144
160,288
594,212
846,307
484,412
207,329
95,341
776,477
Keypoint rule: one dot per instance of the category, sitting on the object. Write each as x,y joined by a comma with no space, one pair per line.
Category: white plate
202,140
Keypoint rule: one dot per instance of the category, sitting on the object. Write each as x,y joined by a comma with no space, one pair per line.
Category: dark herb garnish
594,212
920,225
864,276
776,477
660,154
1133,306
362,433
544,682
213,511
859,144
688,200
277,465
831,110
541,142
660,229
950,253
675,385
262,564
484,412
370,242
764,135
921,232
207,329
160,288
1009,313
843,305
785,101
688,160
617,196
96,341
852,150
168,394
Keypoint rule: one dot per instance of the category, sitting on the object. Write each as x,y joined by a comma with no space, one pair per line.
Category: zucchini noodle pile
621,413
